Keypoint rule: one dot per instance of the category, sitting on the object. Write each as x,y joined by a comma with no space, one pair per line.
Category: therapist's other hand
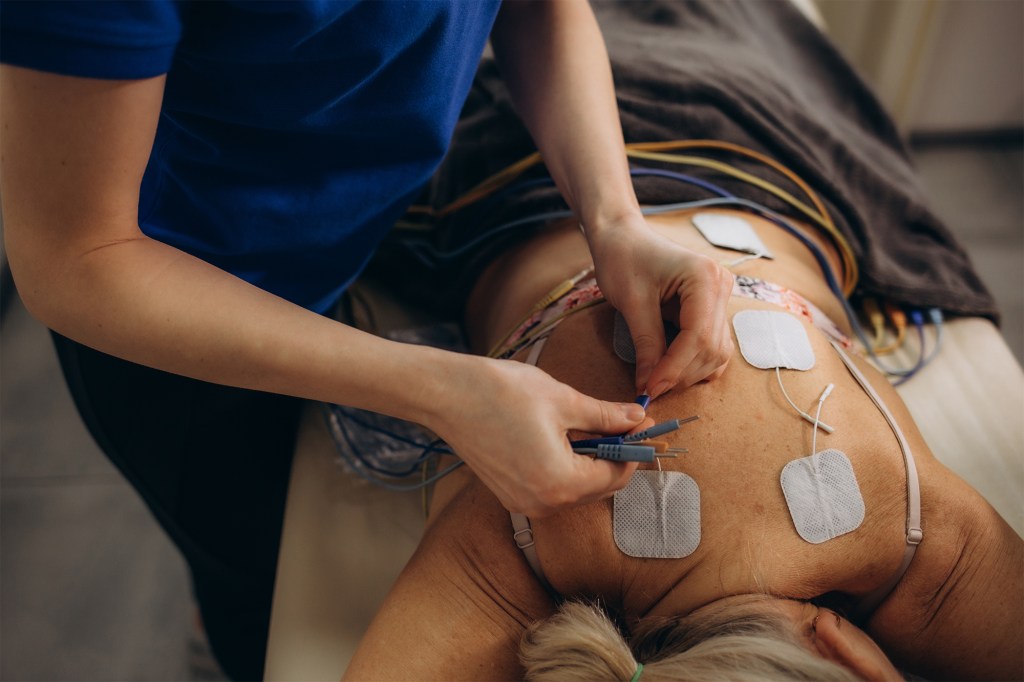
640,272
510,422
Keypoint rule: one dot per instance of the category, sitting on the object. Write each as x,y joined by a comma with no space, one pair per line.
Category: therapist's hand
510,421
641,273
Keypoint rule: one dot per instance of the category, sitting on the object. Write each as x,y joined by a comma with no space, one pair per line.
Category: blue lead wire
424,250
682,177
594,442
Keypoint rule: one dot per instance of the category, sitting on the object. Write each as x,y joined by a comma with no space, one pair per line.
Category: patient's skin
461,604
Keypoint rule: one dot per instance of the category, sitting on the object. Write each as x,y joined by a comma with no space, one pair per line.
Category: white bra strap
535,350
914,533
523,534
524,541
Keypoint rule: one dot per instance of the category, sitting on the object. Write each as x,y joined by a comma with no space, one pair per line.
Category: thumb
648,334
600,416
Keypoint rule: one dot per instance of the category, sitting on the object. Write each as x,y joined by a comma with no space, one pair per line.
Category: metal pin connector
658,429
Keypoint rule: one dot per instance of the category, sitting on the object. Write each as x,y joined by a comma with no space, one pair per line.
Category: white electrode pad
730,232
823,496
622,340
769,339
657,515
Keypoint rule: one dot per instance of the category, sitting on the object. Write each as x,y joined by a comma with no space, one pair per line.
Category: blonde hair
731,640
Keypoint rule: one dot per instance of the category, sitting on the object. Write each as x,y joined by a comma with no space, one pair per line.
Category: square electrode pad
657,515
823,496
730,232
769,339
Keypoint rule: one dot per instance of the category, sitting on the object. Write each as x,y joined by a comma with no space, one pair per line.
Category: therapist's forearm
152,304
554,60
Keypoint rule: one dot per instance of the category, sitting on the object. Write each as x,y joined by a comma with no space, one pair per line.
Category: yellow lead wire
674,145
649,150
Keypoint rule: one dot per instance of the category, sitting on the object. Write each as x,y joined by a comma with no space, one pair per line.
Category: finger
599,416
603,478
719,371
590,480
645,424
711,361
680,360
704,367
713,356
648,334
704,343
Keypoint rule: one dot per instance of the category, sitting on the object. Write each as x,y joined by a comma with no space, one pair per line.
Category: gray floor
91,590
89,587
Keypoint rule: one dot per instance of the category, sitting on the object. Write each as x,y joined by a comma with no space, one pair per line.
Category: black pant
212,463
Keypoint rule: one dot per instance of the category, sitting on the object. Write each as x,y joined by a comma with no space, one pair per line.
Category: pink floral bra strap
769,292
583,292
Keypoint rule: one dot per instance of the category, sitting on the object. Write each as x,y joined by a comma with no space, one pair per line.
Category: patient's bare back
750,427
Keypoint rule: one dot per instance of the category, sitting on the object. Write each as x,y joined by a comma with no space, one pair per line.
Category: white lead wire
817,423
817,420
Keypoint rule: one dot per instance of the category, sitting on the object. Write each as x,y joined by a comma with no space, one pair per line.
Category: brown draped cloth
752,72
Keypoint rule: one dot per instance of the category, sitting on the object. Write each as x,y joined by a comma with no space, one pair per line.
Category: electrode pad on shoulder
822,494
730,232
657,515
769,339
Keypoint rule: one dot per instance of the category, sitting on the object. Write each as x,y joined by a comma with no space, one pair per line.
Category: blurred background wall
942,67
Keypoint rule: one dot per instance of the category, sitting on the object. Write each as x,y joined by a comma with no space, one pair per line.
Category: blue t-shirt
292,135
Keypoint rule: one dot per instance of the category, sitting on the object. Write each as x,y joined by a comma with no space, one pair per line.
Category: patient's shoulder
957,612
472,538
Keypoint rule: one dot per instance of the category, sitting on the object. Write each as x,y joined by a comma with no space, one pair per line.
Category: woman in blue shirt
188,186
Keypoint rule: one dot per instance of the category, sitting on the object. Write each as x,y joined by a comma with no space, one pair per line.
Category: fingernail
642,375
659,388
633,412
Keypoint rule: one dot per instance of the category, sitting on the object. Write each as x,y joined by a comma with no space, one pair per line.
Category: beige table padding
969,404
344,542
343,545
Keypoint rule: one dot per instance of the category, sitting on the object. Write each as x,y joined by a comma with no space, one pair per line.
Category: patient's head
751,637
